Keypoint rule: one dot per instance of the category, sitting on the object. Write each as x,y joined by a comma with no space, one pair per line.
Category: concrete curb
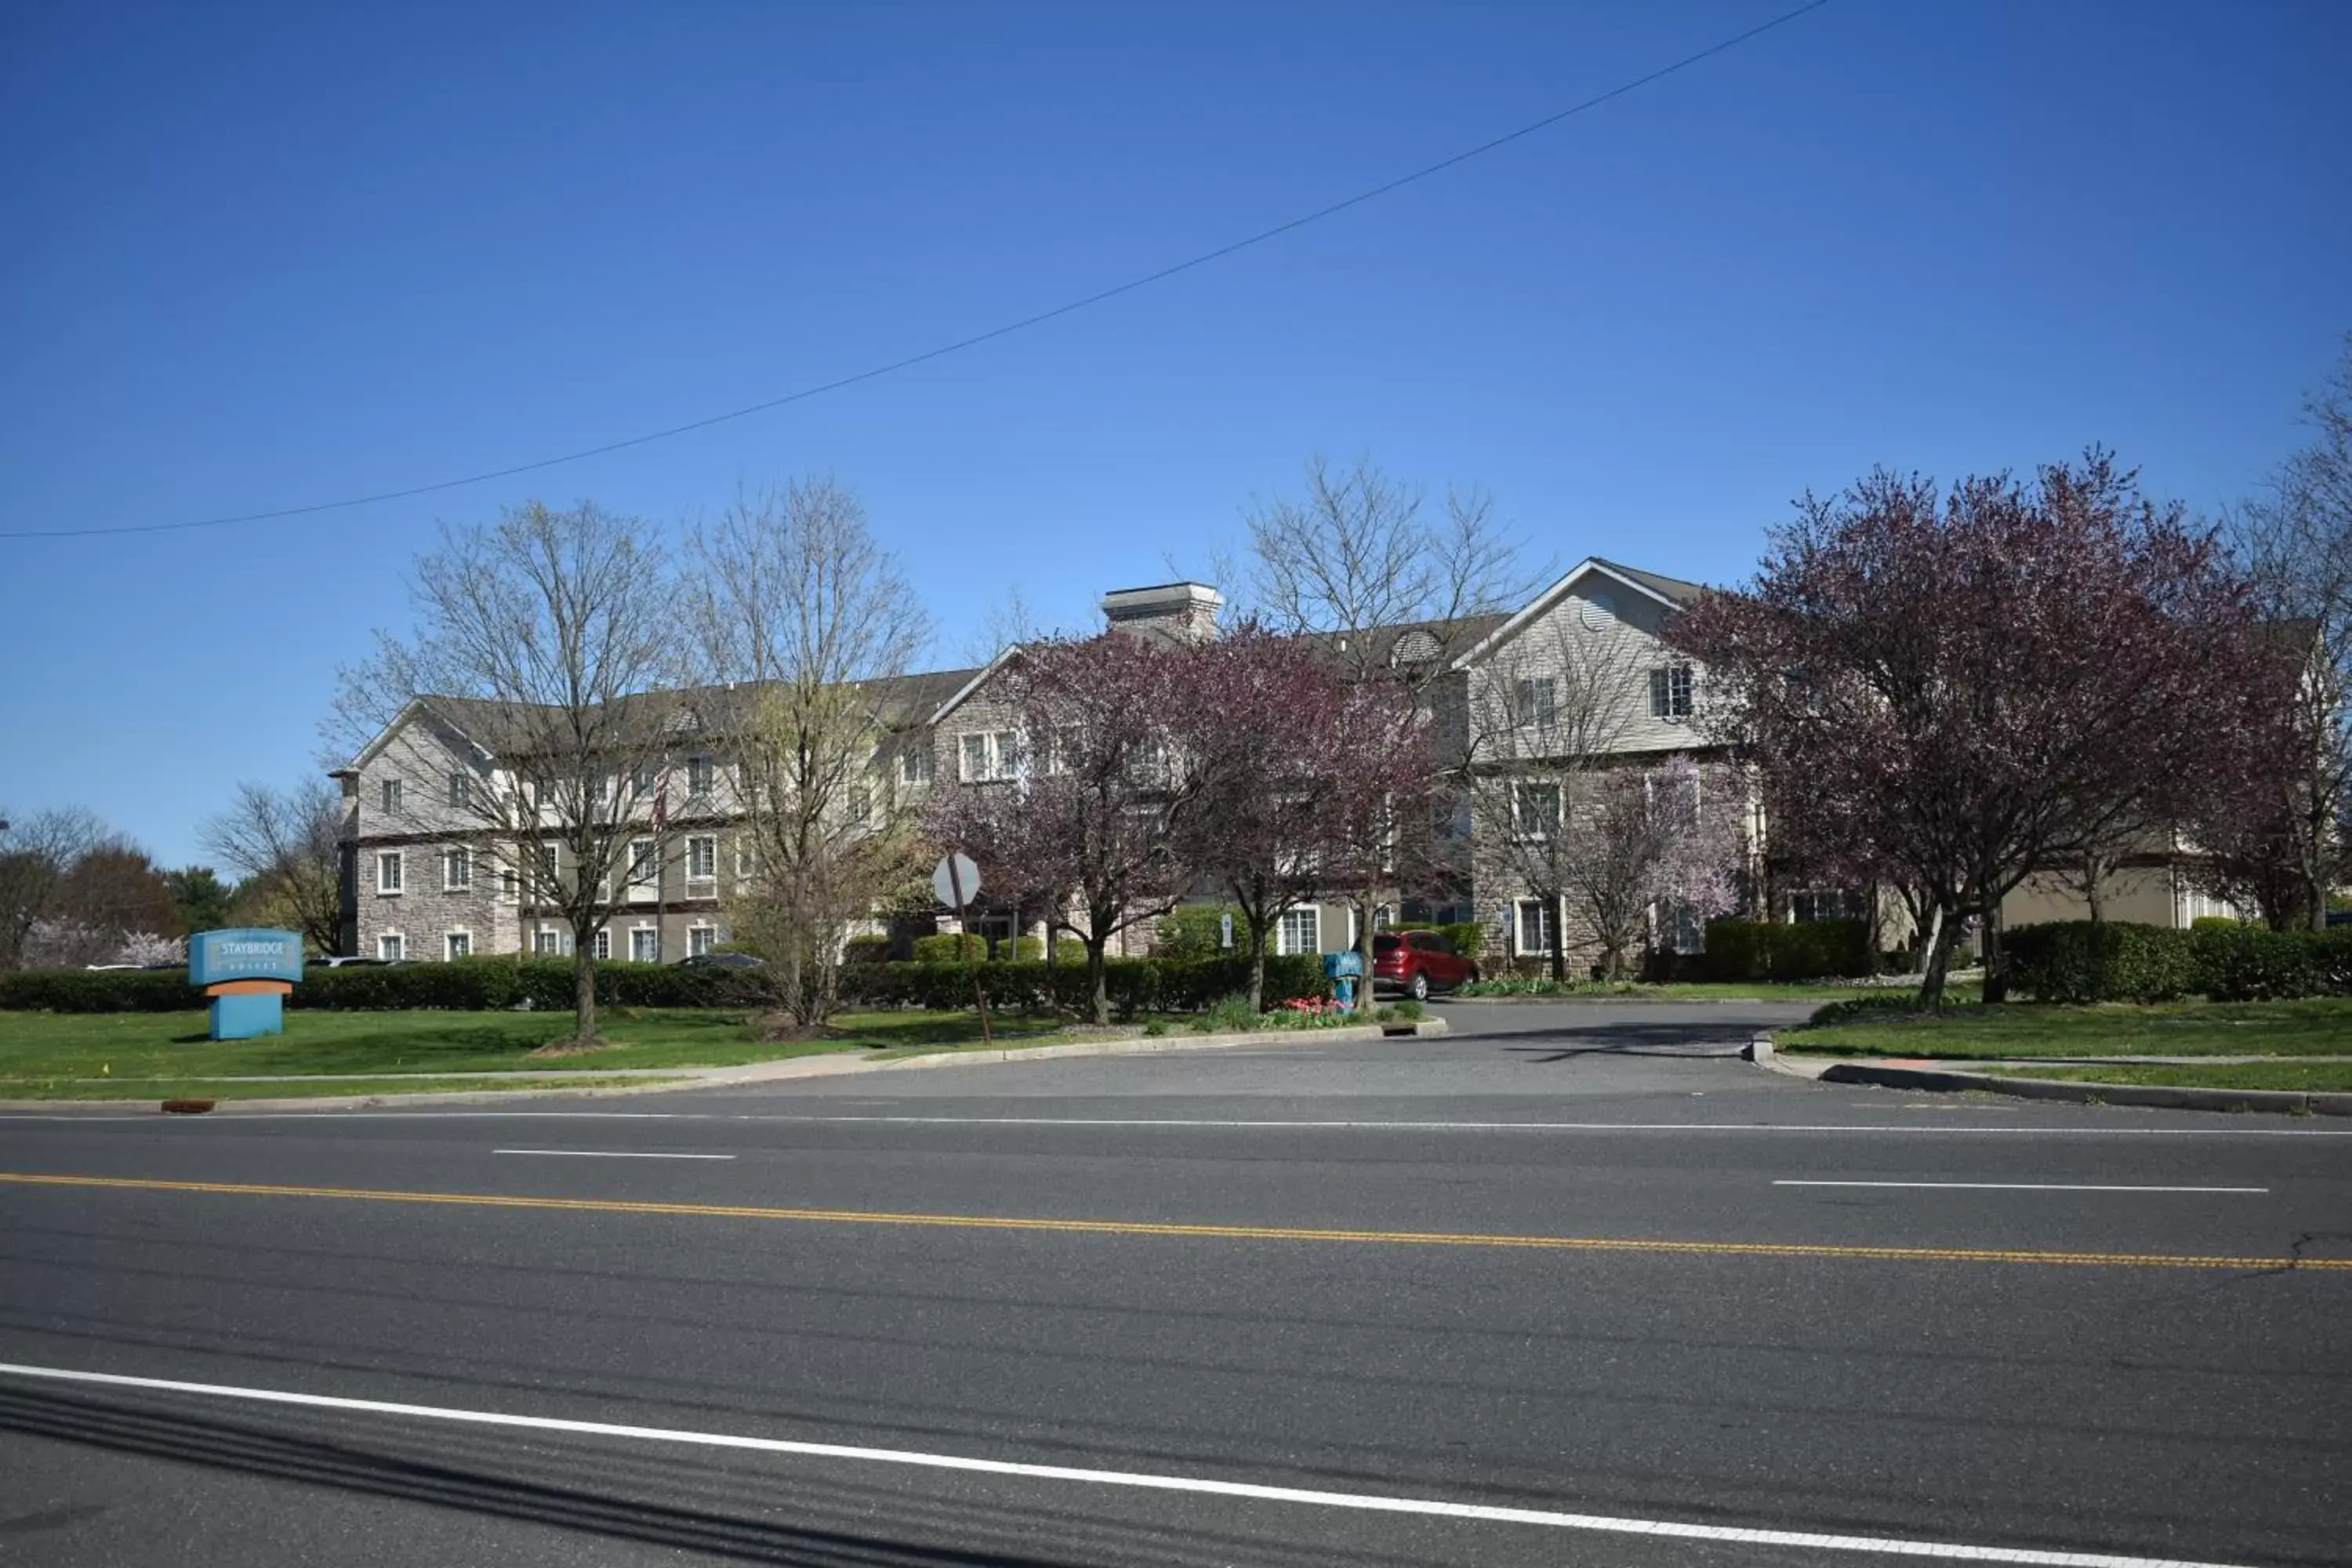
1630,1001
2077,1092
831,1066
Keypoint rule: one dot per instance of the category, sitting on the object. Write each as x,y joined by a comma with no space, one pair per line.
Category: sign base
242,1016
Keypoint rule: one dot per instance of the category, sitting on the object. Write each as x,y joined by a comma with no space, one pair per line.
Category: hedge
472,985
1801,950
2119,960
1133,985
492,983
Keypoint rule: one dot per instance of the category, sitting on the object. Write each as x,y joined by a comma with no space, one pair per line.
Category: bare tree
805,631
549,639
1392,591
285,847
1008,623
1551,714
2295,541
36,854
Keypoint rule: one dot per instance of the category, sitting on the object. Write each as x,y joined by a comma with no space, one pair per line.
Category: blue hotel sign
249,974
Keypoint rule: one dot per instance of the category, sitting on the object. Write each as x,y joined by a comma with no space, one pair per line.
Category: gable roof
1673,592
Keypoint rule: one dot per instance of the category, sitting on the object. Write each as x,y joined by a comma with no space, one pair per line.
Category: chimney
1182,611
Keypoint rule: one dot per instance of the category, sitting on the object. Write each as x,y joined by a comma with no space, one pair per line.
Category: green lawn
2027,1030
2313,1077
161,1046
154,1088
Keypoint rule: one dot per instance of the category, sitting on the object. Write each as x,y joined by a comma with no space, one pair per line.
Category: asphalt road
1574,1285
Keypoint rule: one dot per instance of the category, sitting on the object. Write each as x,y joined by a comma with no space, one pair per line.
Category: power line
909,361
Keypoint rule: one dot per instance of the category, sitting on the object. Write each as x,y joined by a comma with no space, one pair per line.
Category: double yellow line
1211,1232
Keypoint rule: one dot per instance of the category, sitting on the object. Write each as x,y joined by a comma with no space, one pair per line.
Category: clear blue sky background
260,256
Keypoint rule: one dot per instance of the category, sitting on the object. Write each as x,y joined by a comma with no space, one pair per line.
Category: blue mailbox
249,974
1344,970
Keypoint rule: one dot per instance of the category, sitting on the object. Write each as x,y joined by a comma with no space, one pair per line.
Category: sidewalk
1986,1075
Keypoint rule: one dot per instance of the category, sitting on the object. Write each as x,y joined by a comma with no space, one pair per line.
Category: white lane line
2021,1187
1668,1529
1906,1129
609,1154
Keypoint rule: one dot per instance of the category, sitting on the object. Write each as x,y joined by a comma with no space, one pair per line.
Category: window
1301,931
544,873
391,797
546,941
645,867
603,945
387,871
1681,931
645,945
698,778
459,945
989,754
915,764
699,940
1538,703
509,885
747,861
701,858
644,780
1535,810
456,870
1537,926
1817,904
1674,800
861,803
388,947
1670,691
461,790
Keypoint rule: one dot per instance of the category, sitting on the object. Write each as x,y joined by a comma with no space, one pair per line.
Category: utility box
1345,971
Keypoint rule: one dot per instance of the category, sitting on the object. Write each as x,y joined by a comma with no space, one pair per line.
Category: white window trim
399,942
710,777
602,947
551,935
389,793
398,861
457,933
1663,710
1283,944
645,928
914,765
461,790
644,891
708,935
703,879
456,854
1520,948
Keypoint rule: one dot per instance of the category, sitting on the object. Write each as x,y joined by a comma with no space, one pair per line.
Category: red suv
1418,962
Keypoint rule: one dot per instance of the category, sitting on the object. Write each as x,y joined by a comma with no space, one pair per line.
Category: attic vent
681,721
1599,607
1416,646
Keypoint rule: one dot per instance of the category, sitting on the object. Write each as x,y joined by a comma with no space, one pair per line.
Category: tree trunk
1257,967
2094,892
1559,937
1097,987
583,987
1923,939
1936,952
1996,965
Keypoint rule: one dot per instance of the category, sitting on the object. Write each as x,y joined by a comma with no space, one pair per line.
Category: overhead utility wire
1130,286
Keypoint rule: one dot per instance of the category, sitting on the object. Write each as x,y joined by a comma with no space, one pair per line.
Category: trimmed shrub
866,950
1134,985
98,991
470,984
2253,964
1192,932
2107,960
1802,950
2117,960
949,947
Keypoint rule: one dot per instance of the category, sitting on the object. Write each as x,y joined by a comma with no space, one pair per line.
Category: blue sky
263,256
